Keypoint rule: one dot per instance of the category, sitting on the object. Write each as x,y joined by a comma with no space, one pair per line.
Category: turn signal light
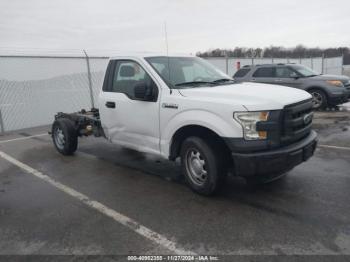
262,134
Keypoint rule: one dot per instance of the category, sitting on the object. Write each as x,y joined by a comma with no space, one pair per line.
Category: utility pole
89,79
322,63
226,60
342,63
2,124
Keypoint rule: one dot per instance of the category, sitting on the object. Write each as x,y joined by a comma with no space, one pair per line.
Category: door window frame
110,74
290,69
259,68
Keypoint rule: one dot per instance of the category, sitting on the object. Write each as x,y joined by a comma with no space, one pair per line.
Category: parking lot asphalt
305,213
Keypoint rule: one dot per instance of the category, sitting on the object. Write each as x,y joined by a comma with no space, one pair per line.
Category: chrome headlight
248,121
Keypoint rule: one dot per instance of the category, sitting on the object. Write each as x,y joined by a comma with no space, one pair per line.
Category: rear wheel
64,136
319,99
202,166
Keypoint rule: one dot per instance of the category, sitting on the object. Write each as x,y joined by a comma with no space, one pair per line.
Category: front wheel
319,99
202,166
64,136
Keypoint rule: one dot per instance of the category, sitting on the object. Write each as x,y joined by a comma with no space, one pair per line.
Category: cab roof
149,54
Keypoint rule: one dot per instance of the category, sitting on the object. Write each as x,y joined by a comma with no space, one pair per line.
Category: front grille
296,122
347,84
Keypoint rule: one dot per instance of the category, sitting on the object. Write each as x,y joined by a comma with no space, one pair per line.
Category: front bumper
339,98
275,162
348,92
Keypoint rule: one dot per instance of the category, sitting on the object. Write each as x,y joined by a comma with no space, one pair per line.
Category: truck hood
253,96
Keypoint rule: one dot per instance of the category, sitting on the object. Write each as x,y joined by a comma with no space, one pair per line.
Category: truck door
126,119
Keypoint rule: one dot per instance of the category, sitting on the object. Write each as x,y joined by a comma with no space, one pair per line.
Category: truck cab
182,106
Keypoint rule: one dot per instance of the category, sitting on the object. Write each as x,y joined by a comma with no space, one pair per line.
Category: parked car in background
326,90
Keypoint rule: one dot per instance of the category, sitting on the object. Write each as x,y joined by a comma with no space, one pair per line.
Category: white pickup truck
182,106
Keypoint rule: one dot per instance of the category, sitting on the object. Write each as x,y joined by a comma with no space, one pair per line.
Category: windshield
187,72
304,70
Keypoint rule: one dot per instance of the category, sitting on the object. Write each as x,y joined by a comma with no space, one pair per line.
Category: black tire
64,127
214,166
319,98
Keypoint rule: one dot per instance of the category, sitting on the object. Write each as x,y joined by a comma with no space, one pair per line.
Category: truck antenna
167,51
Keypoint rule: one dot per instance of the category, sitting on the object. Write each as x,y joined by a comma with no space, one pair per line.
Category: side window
241,72
264,72
128,74
284,72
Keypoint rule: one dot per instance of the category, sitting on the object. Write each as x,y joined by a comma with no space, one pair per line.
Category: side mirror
294,75
144,92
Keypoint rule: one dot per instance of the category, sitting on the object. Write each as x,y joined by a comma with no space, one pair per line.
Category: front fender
326,89
222,126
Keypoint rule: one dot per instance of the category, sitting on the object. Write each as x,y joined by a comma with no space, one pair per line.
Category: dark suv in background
326,90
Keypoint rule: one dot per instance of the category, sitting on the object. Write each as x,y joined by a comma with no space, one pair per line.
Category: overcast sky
192,25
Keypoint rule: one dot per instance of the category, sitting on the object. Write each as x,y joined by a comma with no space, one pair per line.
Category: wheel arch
324,90
195,130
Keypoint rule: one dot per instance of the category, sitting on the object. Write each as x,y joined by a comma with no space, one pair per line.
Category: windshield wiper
193,83
223,80
311,75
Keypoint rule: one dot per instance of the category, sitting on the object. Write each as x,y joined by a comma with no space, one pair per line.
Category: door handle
110,104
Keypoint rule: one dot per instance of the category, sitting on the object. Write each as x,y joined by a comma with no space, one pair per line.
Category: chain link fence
34,88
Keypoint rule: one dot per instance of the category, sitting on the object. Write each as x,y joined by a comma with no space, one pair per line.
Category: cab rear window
241,72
